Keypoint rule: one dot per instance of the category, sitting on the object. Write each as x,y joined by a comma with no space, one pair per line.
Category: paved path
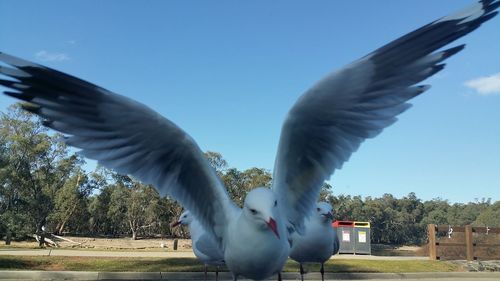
165,254
84,253
73,275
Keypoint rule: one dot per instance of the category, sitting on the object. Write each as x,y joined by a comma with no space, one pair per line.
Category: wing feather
123,135
331,120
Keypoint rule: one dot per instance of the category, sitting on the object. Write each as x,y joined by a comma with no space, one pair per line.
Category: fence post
431,233
175,244
468,243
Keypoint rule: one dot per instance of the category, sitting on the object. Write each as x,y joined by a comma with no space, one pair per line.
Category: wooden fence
471,242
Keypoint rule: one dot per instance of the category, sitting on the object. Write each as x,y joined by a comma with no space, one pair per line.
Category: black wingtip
424,88
437,68
486,2
19,96
487,17
440,67
7,83
452,51
492,7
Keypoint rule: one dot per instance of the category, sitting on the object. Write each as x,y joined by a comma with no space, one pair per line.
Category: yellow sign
362,237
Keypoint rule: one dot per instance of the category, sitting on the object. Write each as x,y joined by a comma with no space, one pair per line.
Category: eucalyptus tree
35,167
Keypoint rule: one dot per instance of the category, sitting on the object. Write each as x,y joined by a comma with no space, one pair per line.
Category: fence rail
468,242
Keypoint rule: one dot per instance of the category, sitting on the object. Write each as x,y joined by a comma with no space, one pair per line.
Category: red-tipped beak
176,223
272,225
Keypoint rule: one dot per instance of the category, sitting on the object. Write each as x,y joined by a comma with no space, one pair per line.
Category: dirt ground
109,243
157,244
389,250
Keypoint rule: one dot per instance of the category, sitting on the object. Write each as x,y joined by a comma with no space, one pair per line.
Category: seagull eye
318,209
253,211
275,203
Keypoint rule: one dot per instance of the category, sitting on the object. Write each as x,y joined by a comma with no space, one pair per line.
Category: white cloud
488,85
50,56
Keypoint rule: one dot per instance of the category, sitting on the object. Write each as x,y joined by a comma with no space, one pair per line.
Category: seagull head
324,211
261,207
185,219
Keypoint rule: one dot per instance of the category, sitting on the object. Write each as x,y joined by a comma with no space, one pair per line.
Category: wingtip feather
19,96
453,51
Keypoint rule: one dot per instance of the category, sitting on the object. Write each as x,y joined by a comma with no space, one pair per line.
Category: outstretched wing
123,135
330,121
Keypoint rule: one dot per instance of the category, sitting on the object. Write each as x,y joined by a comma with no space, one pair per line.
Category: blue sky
228,71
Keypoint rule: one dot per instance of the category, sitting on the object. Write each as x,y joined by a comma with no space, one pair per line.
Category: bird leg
206,268
322,270
216,273
279,276
301,272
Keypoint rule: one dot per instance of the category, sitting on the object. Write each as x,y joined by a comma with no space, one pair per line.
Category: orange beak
272,225
176,223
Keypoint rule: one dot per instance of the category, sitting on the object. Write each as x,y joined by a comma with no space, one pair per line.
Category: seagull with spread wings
324,127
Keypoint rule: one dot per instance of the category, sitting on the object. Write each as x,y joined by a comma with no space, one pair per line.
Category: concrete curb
81,275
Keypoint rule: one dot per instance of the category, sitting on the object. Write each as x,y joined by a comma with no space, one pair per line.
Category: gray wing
123,135
330,121
209,248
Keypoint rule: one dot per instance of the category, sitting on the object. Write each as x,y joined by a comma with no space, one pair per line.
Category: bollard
469,243
431,233
8,238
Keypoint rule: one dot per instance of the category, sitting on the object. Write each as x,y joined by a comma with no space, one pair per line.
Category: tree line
45,188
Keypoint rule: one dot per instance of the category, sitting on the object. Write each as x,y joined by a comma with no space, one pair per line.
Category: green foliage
404,221
216,160
489,217
35,167
240,183
43,184
326,191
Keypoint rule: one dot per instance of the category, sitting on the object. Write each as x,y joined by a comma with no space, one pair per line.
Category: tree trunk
133,227
63,224
60,227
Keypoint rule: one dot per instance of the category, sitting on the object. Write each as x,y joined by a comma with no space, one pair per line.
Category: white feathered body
249,252
317,244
